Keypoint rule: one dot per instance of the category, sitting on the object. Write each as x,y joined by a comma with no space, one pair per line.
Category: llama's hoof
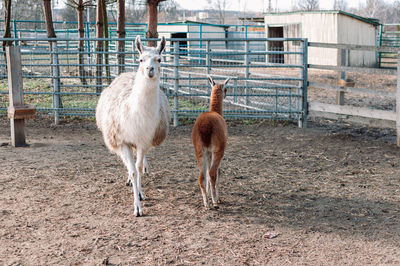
146,170
138,212
216,207
142,196
128,183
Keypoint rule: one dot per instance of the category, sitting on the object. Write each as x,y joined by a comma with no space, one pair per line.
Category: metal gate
258,88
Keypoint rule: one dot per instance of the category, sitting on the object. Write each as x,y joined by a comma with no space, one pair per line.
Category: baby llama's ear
211,81
226,81
139,45
161,45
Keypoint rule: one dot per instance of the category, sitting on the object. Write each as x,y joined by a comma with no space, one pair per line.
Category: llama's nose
150,70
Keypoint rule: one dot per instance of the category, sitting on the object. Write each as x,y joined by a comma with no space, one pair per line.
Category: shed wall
353,31
328,28
317,27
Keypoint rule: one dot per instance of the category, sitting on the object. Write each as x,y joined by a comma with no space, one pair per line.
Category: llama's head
219,89
150,58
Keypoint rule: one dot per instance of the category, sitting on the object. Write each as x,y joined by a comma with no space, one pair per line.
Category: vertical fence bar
176,82
15,33
398,101
247,62
304,84
208,59
56,84
235,83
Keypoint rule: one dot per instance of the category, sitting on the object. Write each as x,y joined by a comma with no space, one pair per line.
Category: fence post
304,85
17,110
176,82
398,101
247,62
56,84
16,96
342,77
208,59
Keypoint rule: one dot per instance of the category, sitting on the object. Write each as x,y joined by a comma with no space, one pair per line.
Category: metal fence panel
260,86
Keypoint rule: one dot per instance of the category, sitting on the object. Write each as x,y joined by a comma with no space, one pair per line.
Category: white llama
133,115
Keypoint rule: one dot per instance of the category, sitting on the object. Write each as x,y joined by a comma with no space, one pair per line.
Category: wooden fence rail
340,108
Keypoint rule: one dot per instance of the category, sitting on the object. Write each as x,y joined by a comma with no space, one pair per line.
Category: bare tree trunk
52,34
106,43
7,23
121,35
49,19
81,48
152,21
99,48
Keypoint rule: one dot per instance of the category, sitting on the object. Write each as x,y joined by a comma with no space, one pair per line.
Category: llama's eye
159,60
141,60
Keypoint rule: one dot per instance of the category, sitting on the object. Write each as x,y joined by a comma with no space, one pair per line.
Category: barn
335,26
194,30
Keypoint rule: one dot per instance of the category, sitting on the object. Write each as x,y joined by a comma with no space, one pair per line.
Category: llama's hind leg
202,182
202,164
127,157
146,165
214,173
207,170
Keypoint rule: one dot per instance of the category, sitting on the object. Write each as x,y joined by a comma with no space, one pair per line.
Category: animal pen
55,86
258,89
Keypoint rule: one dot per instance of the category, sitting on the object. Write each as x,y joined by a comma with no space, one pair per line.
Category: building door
275,32
183,47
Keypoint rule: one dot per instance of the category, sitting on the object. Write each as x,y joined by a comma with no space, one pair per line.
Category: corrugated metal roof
188,22
372,21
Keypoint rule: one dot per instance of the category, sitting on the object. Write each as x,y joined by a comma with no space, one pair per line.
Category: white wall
353,31
329,27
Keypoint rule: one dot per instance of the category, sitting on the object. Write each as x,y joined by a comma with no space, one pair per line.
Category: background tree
27,10
48,15
79,6
220,6
121,35
169,11
307,5
340,5
7,23
99,45
152,13
135,11
106,35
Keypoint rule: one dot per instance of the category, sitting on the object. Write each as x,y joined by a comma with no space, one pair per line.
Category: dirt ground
325,195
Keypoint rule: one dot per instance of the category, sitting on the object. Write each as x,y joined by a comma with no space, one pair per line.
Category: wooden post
17,111
342,77
398,101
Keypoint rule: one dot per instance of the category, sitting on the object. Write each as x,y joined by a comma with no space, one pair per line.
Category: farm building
192,29
336,27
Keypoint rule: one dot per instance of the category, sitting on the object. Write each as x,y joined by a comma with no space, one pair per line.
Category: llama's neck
216,102
146,92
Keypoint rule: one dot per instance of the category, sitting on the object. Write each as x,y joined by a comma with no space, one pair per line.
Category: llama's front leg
127,158
140,157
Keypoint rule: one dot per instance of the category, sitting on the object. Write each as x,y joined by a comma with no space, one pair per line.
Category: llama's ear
212,82
161,45
226,81
139,45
